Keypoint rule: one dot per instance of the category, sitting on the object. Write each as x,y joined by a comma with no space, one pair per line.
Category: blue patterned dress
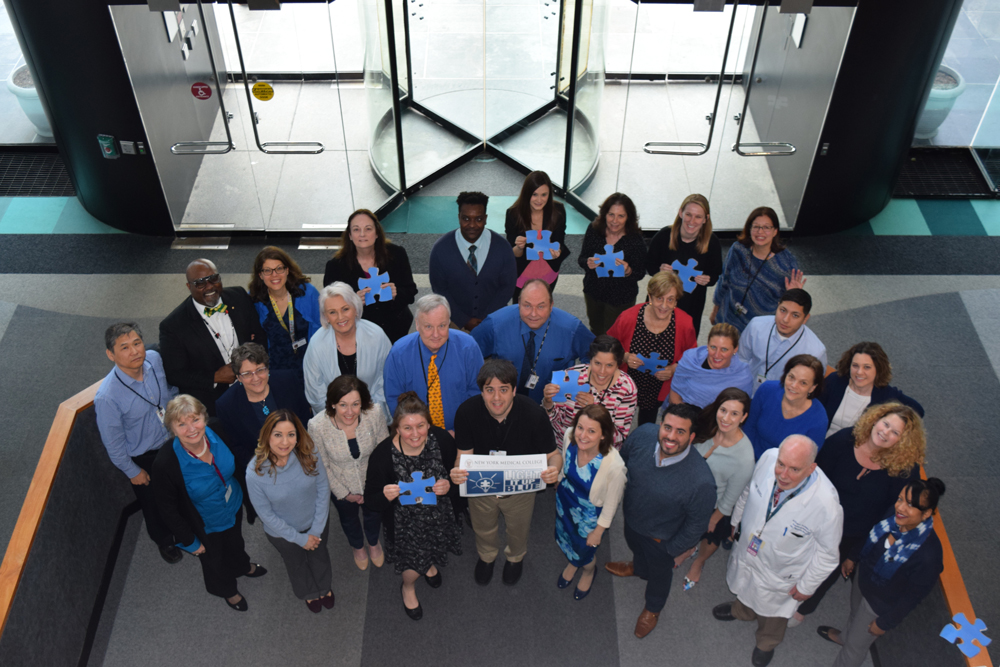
576,516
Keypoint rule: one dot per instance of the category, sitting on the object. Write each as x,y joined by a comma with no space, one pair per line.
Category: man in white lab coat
790,523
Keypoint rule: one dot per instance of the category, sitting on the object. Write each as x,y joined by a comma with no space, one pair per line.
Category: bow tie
221,308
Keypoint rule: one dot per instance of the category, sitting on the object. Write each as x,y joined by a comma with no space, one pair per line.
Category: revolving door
445,83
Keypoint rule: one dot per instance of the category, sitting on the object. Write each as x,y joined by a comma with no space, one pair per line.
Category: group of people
278,399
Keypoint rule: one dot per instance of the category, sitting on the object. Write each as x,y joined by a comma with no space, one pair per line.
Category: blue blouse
217,498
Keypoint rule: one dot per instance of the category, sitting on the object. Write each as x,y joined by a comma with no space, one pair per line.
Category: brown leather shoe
646,623
621,568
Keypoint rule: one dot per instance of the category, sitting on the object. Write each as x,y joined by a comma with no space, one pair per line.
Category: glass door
292,164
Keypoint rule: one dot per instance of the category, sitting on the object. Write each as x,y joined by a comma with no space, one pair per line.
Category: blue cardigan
767,427
239,421
834,387
306,305
468,294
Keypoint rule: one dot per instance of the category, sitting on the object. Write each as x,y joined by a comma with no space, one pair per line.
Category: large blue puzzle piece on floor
652,363
540,244
418,492
607,263
377,282
687,273
966,632
569,386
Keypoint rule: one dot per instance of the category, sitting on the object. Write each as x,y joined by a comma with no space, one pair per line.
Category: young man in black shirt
502,423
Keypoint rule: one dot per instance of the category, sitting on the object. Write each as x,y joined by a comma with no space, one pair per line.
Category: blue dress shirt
129,424
760,356
503,334
458,362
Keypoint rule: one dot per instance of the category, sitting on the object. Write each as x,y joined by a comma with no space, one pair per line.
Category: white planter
27,97
939,104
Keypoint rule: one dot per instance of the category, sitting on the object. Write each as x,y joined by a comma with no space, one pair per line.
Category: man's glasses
201,282
267,273
260,372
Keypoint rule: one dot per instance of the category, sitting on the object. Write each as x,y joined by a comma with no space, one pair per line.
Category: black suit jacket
190,355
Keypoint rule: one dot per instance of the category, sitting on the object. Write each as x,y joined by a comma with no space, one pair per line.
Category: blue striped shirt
128,424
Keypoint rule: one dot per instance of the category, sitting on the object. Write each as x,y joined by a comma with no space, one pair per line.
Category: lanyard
767,352
214,467
771,511
539,352
423,366
752,280
159,391
290,328
230,346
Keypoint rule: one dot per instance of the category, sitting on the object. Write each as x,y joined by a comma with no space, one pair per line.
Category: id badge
760,379
299,343
740,309
229,492
160,414
754,546
498,452
531,381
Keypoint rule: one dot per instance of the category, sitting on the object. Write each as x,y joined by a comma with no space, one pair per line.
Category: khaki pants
485,514
770,629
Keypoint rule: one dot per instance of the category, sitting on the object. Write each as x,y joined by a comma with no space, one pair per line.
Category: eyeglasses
201,282
759,228
267,273
260,372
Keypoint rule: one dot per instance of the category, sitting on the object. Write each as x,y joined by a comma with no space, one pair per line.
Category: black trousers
847,544
157,529
225,559
654,564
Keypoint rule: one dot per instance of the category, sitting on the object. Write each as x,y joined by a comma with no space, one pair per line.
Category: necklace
202,452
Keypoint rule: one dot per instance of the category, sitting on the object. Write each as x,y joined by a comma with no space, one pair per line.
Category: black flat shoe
484,572
723,612
578,594
824,632
435,581
562,583
761,658
259,571
415,614
171,554
512,572
239,606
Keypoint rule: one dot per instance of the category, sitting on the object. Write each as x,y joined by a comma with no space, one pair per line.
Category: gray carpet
945,353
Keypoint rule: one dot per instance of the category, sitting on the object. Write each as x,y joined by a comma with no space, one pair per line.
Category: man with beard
669,499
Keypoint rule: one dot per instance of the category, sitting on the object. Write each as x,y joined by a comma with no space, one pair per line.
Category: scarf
906,544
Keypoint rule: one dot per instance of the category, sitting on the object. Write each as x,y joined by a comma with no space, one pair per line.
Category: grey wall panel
162,82
54,602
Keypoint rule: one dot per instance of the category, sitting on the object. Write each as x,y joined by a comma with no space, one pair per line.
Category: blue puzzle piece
569,386
377,282
607,263
687,273
966,632
418,492
652,363
540,245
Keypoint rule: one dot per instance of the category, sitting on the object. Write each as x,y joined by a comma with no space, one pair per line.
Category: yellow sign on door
263,91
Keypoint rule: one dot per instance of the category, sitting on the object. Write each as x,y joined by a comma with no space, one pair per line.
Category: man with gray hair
787,527
437,362
129,406
199,336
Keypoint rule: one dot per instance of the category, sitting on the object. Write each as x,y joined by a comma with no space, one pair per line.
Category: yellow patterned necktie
434,393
